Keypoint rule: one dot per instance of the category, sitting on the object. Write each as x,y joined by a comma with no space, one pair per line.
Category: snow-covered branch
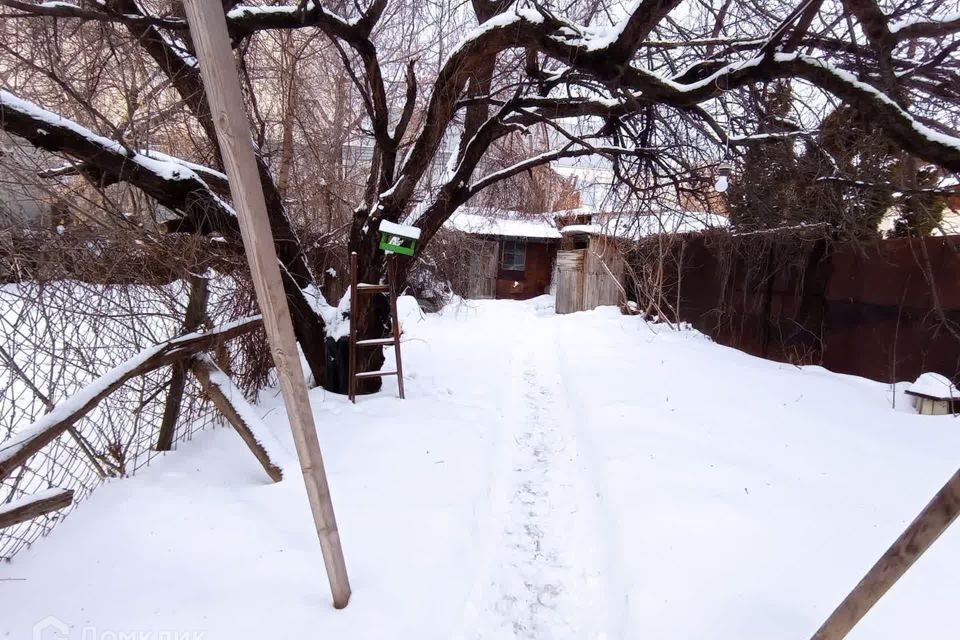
926,28
174,183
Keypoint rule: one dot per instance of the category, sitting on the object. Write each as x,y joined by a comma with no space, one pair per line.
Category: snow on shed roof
634,226
934,385
501,223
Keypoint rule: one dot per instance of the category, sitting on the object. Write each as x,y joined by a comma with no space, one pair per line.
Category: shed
934,395
515,256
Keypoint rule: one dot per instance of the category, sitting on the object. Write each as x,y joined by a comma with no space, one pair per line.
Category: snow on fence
233,405
58,337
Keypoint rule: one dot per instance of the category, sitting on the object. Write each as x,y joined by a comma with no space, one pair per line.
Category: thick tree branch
173,184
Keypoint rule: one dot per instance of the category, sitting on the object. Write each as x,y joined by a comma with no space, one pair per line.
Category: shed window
513,256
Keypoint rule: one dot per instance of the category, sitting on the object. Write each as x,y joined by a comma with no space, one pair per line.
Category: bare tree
658,90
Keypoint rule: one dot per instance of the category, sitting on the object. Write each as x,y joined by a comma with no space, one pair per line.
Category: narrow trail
546,578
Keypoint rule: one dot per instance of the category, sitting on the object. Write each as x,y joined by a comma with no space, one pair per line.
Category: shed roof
502,223
634,226
934,385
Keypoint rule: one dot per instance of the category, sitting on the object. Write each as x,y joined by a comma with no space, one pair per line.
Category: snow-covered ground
585,477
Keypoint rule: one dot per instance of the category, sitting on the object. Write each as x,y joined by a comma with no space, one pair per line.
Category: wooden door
570,281
483,265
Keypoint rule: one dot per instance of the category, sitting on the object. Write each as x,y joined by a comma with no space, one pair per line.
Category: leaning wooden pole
208,28
912,543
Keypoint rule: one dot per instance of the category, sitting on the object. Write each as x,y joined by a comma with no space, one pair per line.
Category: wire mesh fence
58,336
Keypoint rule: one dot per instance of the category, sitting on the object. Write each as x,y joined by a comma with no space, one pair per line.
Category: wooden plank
375,374
30,439
30,507
373,288
376,342
208,29
352,373
939,513
489,266
570,260
237,411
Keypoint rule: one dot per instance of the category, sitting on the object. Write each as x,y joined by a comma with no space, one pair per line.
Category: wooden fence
85,397
888,310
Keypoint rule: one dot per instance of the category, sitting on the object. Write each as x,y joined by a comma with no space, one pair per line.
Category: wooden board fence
602,274
589,278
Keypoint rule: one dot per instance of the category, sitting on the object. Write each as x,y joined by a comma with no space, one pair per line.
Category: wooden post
208,29
238,412
912,543
394,320
352,382
30,507
192,319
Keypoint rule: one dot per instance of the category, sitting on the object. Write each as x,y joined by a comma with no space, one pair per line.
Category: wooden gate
603,271
570,280
589,278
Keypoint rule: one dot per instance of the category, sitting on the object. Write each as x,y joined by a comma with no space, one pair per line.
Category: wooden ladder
389,288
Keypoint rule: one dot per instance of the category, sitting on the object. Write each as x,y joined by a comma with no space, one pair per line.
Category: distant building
520,256
20,201
514,255
358,153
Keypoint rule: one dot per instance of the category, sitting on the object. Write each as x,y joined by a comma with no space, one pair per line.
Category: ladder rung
363,286
375,374
374,341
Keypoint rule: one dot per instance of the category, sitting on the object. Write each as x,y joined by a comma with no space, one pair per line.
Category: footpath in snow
551,477
545,577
